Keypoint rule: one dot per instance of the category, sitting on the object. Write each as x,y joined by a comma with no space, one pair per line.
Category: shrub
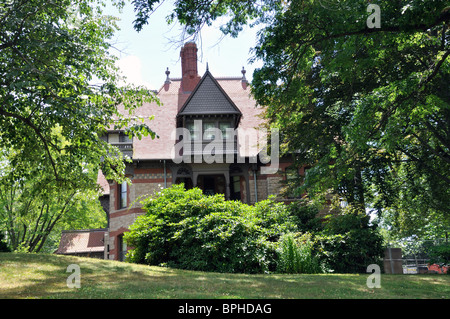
440,254
305,216
296,255
348,243
186,229
3,246
189,230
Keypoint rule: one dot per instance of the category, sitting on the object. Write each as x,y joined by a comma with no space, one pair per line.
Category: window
292,176
123,195
291,173
122,248
124,138
235,188
192,130
224,127
208,130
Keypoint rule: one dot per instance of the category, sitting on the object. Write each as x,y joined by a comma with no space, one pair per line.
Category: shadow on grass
45,276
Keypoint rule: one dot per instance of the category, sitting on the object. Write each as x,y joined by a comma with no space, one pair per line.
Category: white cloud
131,68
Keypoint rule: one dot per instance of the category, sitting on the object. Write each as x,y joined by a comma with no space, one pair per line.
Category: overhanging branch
29,123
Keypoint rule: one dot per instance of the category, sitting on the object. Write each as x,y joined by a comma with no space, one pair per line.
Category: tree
59,93
34,207
59,87
195,14
359,92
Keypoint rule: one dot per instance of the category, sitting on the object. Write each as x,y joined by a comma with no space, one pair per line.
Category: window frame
123,195
209,124
124,138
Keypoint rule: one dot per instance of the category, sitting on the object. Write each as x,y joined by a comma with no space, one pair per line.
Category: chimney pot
189,71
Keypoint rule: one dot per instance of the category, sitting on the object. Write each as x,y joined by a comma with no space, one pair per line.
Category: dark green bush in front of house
188,230
349,244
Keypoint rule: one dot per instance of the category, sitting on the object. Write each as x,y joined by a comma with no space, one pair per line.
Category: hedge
189,230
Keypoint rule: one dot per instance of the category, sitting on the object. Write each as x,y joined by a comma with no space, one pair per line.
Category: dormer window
211,117
114,137
124,138
209,128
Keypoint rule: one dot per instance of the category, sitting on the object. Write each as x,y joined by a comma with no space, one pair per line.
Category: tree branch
443,17
431,170
38,133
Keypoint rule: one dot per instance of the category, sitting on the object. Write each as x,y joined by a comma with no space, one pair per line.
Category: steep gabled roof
208,97
82,241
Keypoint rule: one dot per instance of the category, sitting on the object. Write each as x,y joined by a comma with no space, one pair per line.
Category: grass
44,276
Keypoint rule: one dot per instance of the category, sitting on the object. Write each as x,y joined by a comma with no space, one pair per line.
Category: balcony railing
125,147
208,147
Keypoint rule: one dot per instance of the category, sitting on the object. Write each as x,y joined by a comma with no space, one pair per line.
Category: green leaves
195,14
186,229
372,108
367,108
348,243
59,93
34,208
296,255
50,54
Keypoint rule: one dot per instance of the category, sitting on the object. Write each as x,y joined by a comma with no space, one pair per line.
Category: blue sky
145,55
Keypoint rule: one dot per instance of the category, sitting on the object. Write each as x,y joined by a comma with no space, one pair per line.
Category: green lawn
44,276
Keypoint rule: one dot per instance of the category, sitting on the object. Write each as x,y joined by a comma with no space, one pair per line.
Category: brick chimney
189,72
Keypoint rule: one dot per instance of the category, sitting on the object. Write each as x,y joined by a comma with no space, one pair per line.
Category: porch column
227,182
194,178
247,188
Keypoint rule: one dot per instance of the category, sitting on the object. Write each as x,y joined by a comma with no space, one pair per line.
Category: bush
189,230
305,216
296,255
440,254
3,246
348,243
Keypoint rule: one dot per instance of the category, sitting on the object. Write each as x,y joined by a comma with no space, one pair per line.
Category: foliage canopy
367,107
59,88
59,93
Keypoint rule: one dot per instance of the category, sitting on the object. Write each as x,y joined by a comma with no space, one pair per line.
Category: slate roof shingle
209,98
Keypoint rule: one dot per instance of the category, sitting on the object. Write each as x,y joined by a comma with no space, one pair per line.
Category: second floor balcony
125,147
120,140
208,147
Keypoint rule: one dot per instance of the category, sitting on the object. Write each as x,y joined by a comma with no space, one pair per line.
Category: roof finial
244,82
243,74
167,78
207,67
